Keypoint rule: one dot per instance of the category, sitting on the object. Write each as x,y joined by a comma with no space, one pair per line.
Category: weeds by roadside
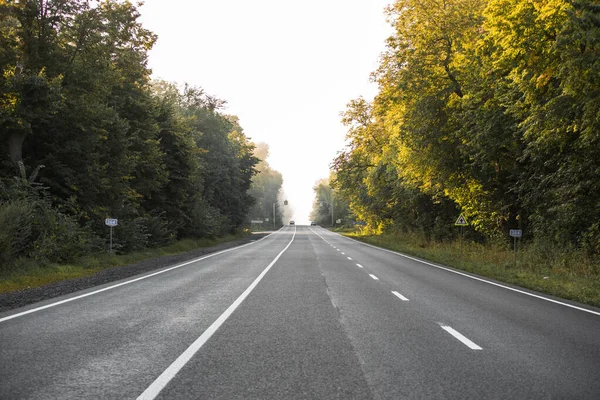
32,273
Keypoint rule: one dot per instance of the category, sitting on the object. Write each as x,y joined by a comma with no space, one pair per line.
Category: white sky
286,68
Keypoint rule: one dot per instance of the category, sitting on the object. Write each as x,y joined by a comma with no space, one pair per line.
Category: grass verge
563,273
34,274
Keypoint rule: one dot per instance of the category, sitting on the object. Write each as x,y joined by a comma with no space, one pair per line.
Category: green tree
266,187
490,108
75,97
227,159
547,52
329,206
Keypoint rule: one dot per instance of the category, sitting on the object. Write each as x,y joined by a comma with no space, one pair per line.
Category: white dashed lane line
398,295
457,335
461,337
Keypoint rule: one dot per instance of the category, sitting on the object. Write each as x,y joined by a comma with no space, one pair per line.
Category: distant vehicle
313,223
292,223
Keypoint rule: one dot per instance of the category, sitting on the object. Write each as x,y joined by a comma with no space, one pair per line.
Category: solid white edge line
359,266
374,277
461,337
159,384
475,278
398,295
128,282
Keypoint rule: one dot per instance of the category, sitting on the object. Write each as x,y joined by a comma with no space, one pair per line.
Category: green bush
130,235
159,232
30,227
15,233
208,221
60,239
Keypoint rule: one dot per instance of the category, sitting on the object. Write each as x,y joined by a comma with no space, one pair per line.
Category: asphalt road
301,314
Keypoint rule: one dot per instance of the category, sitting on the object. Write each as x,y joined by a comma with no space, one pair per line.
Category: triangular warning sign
461,221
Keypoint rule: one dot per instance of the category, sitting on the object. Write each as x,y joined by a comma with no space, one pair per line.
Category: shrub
31,227
15,231
159,232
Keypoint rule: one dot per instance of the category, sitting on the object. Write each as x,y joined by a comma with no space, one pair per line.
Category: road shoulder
12,300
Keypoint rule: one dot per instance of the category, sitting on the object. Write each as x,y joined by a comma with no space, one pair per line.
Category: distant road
301,314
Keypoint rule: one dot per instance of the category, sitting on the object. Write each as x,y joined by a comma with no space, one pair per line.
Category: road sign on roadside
515,233
111,222
256,221
461,221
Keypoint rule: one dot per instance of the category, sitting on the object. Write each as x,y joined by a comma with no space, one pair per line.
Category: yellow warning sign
461,221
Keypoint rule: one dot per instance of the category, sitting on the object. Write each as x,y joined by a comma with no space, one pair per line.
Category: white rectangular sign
111,222
516,233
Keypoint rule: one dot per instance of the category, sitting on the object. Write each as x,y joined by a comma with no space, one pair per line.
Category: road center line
461,337
128,282
348,258
359,266
159,384
374,277
398,295
343,253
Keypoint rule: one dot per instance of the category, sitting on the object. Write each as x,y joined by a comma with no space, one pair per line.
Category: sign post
516,233
461,221
112,223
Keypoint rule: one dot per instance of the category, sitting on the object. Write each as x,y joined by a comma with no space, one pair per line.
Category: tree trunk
15,146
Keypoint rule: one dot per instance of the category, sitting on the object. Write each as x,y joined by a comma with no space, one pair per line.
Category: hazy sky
286,68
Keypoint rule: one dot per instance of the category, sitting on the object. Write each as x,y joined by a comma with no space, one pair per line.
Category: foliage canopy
489,108
77,107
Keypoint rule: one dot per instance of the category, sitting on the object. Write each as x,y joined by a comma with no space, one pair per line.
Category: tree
551,75
328,206
76,98
266,187
490,108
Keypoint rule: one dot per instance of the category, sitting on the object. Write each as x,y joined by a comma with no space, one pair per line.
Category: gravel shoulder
11,300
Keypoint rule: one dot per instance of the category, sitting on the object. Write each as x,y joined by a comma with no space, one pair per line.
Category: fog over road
301,314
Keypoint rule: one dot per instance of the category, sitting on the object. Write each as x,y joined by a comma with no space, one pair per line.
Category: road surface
301,314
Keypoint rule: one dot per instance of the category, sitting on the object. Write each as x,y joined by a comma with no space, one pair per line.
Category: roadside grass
31,273
563,273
